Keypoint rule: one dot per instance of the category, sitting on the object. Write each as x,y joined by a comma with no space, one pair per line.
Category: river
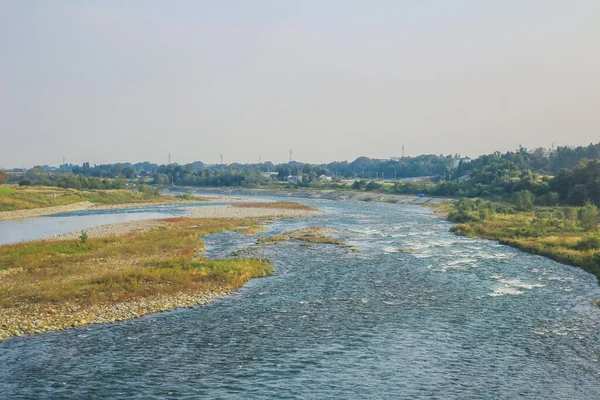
452,318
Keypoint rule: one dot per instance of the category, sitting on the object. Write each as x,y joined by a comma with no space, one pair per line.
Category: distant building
145,174
294,178
395,158
324,178
271,175
456,162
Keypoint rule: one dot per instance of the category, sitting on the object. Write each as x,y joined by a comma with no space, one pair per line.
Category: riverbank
324,194
127,201
568,235
126,270
239,211
15,198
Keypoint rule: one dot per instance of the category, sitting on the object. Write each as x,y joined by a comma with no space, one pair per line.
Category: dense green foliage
567,175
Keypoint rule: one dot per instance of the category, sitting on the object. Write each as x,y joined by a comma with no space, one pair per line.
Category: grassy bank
566,234
14,197
56,285
310,235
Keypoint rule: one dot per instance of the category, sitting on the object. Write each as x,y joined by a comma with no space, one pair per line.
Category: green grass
6,190
28,197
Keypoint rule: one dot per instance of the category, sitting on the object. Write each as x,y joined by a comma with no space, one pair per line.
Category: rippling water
457,318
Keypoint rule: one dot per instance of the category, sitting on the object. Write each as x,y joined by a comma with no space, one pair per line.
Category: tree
3,177
523,200
588,216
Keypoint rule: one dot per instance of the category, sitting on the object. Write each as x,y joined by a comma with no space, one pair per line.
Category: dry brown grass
103,273
312,235
537,233
251,230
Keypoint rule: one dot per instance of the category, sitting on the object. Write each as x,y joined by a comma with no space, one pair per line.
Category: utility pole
169,158
259,160
290,155
402,151
221,159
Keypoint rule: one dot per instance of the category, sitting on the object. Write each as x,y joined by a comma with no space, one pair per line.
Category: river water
454,318
21,230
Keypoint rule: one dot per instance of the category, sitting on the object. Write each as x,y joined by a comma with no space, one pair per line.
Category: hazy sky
109,81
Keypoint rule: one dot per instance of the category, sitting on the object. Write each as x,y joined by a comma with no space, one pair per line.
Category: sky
118,81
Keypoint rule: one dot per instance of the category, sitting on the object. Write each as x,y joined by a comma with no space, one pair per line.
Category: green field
14,197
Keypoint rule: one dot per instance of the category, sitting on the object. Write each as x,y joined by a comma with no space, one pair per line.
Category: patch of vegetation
184,196
29,197
251,230
565,234
83,237
286,205
6,190
97,274
311,235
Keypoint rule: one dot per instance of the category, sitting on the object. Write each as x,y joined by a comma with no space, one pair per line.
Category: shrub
83,237
588,216
523,200
25,182
148,190
589,243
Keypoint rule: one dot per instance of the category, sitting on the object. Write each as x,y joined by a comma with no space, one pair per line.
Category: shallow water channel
454,318
21,230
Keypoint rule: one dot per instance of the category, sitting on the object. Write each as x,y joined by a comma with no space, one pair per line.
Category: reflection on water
452,318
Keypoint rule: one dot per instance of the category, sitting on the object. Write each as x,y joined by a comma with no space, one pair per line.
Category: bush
83,237
25,182
548,199
588,216
148,190
523,200
372,185
589,243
